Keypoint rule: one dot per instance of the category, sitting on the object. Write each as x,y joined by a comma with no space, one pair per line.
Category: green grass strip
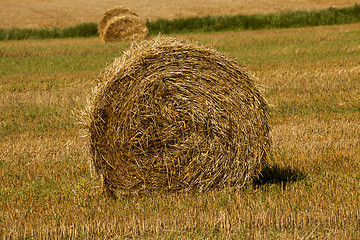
81,30
331,16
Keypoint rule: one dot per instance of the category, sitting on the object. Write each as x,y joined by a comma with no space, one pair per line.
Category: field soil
65,13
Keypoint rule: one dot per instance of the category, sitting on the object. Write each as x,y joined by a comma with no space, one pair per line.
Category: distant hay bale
125,28
110,13
173,115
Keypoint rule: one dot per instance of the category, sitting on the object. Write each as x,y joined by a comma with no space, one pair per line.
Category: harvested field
65,13
310,190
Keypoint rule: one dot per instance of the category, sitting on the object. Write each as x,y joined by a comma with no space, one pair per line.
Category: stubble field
311,78
66,13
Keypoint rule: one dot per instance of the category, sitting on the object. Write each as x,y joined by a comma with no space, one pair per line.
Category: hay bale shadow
279,175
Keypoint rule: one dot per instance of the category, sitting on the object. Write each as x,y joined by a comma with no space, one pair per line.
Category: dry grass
65,13
310,190
176,115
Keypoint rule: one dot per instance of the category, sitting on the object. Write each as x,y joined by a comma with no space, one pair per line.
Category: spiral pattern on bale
124,29
111,13
175,115
120,24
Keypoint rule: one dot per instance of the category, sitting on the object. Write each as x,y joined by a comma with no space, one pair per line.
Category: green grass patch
288,108
33,118
47,57
56,64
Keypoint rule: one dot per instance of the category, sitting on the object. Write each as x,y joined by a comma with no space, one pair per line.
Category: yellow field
310,76
65,13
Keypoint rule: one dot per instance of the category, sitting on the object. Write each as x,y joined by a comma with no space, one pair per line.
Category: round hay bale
125,28
172,115
110,13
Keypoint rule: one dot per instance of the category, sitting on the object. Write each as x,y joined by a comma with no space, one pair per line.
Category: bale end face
125,28
173,115
111,13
